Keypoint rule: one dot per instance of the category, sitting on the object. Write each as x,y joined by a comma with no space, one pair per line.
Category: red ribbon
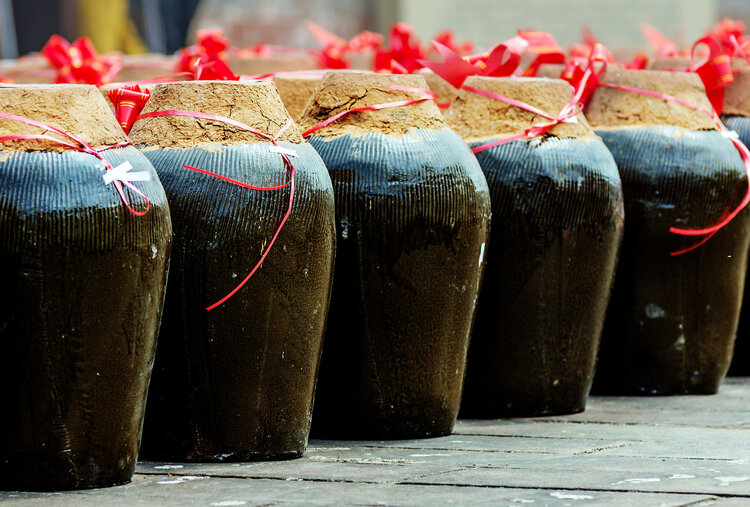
502,61
79,62
427,95
287,163
567,112
212,46
586,81
715,72
545,47
82,146
128,101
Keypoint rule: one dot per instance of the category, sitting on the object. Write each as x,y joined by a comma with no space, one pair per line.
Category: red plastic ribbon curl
503,60
128,101
211,46
118,176
715,72
287,163
79,62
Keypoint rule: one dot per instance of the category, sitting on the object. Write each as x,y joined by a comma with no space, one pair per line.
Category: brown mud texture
82,292
237,383
557,224
412,213
672,320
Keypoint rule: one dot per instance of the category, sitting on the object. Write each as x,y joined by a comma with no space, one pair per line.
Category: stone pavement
667,451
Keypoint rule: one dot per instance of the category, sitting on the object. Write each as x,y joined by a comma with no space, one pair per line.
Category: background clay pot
296,89
237,383
412,210
557,222
672,319
83,286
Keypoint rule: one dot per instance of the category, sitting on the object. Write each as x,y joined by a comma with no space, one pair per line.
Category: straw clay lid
296,89
736,93
613,108
342,91
255,103
478,118
79,110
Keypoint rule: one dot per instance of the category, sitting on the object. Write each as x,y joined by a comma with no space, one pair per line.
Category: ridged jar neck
255,103
341,91
476,117
613,108
79,110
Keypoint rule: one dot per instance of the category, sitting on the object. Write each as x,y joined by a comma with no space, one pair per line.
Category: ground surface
669,451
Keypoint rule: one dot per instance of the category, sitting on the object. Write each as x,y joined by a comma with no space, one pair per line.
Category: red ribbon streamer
287,163
128,101
715,72
427,95
79,62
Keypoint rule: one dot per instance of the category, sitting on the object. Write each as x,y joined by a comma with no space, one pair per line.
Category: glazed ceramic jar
83,286
412,224
237,382
673,315
557,223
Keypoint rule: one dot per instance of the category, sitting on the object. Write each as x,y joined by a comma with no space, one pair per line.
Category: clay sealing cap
736,93
611,108
255,103
478,118
340,91
79,110
296,89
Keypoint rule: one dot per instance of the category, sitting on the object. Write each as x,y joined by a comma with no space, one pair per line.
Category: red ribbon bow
502,61
79,62
211,47
715,72
128,102
117,175
567,114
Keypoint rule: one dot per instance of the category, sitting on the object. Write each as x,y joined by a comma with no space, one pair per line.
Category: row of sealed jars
400,201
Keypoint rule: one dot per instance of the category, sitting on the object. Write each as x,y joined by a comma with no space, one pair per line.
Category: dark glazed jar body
741,359
672,320
237,383
412,222
557,223
82,292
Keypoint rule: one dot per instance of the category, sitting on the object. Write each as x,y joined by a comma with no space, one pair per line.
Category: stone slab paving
660,451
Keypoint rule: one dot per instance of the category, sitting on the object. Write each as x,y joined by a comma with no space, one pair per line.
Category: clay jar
82,292
672,319
557,222
236,383
736,116
412,211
